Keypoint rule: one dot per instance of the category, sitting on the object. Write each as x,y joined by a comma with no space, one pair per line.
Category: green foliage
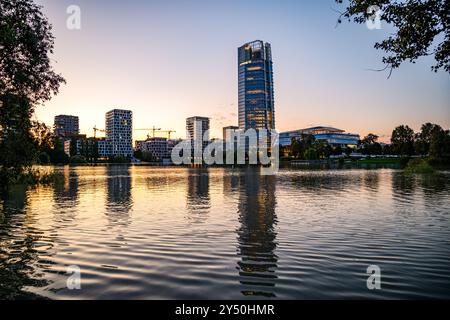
402,140
421,29
78,159
370,145
425,136
46,142
29,176
308,148
44,158
89,148
418,166
144,156
25,44
431,141
26,79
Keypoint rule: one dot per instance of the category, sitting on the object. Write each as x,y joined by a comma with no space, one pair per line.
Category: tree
440,145
301,145
370,145
422,29
402,140
387,149
425,137
47,143
26,78
370,139
26,42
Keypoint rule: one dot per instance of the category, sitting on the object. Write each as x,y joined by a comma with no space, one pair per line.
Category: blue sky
168,60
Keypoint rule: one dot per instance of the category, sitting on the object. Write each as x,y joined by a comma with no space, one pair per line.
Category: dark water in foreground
147,233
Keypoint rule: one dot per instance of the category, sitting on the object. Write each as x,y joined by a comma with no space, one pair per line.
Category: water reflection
66,191
230,183
118,200
372,181
144,232
19,249
257,234
198,199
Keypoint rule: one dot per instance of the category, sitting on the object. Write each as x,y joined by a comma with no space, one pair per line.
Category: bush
78,159
419,166
44,158
28,176
119,159
404,161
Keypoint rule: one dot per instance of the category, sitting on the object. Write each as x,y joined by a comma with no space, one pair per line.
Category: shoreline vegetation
28,177
46,175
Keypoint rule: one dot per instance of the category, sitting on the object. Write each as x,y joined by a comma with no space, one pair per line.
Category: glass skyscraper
256,97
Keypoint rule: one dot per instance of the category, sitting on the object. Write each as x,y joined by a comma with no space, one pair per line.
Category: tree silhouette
403,140
26,78
422,29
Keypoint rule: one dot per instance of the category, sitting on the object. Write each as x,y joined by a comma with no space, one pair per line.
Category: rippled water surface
151,233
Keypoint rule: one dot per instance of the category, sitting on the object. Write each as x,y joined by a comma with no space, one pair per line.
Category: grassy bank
393,161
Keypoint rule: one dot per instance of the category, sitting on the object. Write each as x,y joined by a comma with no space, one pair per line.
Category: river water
140,232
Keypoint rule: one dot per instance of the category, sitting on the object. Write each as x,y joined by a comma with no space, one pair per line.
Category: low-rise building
157,147
333,136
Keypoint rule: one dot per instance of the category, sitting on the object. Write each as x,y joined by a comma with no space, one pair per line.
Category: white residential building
119,133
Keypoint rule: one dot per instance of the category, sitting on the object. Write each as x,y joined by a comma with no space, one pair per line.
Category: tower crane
153,130
169,132
95,131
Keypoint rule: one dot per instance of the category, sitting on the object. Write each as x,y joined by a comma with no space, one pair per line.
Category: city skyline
321,73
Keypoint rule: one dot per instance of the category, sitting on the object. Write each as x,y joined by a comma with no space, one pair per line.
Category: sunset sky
167,60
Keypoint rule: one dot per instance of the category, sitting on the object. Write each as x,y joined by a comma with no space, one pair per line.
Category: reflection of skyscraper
257,235
119,189
230,183
198,199
256,97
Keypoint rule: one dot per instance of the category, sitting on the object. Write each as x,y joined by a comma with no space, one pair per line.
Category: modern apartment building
66,126
256,94
119,133
102,148
197,130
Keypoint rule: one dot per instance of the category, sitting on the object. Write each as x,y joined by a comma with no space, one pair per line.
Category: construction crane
95,131
169,132
153,130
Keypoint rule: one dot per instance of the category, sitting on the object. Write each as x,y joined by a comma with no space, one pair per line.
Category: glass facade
66,126
333,136
256,95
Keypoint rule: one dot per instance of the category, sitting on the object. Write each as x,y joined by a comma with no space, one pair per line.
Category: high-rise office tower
119,133
66,126
256,97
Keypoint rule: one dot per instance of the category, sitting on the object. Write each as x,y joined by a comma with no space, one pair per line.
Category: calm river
166,233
